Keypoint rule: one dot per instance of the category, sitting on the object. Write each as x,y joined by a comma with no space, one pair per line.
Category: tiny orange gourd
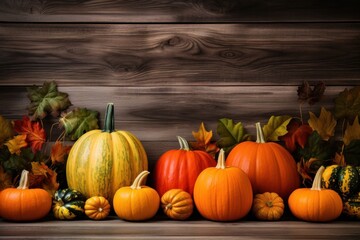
268,206
136,203
177,204
97,207
315,204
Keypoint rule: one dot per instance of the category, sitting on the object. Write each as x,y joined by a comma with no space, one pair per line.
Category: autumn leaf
79,121
203,141
297,134
230,134
352,152
6,130
59,152
339,159
308,169
42,176
276,127
311,95
347,104
352,132
46,100
5,179
324,125
35,134
16,143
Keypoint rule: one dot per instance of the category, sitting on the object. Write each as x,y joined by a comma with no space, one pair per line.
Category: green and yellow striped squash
342,179
68,204
102,161
352,206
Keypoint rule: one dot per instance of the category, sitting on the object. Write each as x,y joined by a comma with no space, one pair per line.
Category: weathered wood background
169,65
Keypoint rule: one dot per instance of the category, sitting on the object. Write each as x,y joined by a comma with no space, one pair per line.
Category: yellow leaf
6,130
352,132
5,179
203,136
45,177
324,125
16,143
276,127
59,152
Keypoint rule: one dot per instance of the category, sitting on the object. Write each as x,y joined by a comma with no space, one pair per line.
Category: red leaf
35,134
298,134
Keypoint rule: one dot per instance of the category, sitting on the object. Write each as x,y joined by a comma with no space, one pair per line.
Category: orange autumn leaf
203,141
5,179
16,143
36,136
324,124
59,152
297,135
304,169
44,177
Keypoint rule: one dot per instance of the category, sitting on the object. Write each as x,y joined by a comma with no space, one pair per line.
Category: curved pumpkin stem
221,160
317,180
259,133
24,180
138,180
184,145
109,125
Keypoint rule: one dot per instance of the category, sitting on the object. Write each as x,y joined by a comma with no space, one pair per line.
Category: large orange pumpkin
179,168
270,167
223,193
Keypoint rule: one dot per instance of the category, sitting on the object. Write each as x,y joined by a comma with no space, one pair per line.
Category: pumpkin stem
317,180
109,125
168,206
138,180
24,180
259,133
221,160
184,145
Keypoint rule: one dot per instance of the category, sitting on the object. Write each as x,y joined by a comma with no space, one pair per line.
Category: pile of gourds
106,169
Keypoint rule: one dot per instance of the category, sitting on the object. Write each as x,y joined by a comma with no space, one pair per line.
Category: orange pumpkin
270,167
315,204
268,206
24,204
136,203
223,193
97,207
177,204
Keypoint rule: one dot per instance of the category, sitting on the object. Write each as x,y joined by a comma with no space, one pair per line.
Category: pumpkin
177,204
136,203
97,207
270,167
268,206
102,161
315,204
223,193
352,206
342,179
179,168
68,204
24,204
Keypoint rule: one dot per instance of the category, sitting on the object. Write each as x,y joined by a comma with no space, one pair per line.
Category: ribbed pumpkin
97,208
177,204
68,204
352,206
268,206
179,168
223,193
102,161
270,167
343,179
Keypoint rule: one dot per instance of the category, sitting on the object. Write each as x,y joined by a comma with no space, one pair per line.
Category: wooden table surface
162,228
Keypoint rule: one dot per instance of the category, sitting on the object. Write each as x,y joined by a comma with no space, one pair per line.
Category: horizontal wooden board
178,11
180,54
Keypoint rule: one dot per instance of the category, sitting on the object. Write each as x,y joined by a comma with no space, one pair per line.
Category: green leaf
230,134
347,104
15,164
276,127
46,100
79,121
352,153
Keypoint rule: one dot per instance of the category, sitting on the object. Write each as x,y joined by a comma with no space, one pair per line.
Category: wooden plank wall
169,65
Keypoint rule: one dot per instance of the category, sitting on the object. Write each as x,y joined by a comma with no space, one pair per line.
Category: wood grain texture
178,11
180,54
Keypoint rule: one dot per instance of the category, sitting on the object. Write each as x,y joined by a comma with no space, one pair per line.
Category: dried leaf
59,152
16,143
36,135
309,95
43,177
324,125
46,99
352,132
307,170
6,130
352,152
230,134
5,179
347,104
339,159
297,135
203,141
276,127
79,121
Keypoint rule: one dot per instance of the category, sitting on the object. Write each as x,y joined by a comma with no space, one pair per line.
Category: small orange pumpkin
315,204
136,203
97,208
268,206
24,204
177,204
